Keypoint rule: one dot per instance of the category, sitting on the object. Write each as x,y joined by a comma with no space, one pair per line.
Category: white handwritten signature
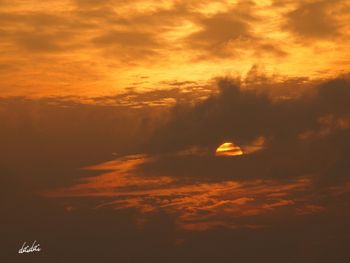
28,249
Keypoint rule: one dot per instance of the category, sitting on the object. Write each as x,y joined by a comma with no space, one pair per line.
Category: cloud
91,3
39,42
316,20
303,148
232,34
117,39
221,117
306,135
221,32
125,38
168,95
51,139
299,133
291,195
218,32
127,45
242,114
198,205
182,200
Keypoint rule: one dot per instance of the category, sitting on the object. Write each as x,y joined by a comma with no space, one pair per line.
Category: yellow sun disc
228,149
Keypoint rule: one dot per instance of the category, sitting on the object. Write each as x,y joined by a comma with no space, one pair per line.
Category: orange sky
102,47
224,201
175,131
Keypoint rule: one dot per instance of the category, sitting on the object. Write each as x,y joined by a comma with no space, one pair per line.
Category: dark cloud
92,235
33,19
127,46
41,32
303,136
219,33
314,20
332,96
53,138
41,42
50,139
161,19
299,132
129,38
91,3
231,33
234,114
140,33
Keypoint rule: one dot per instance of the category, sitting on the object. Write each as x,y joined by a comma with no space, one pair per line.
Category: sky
175,131
98,48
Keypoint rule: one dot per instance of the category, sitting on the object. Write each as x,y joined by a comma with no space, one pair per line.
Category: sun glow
228,149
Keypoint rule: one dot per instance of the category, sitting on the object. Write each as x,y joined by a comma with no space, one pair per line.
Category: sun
228,149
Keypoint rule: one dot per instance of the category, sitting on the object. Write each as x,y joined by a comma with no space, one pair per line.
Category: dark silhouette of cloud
235,114
307,135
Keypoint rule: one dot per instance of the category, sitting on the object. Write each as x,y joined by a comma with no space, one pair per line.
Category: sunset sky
175,131
99,48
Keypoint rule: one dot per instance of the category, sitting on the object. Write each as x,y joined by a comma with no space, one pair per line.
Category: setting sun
181,131
228,149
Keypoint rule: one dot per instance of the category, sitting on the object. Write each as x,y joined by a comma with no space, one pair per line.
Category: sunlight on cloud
45,43
196,205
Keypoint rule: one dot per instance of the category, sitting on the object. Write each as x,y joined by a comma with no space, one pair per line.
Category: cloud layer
112,43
